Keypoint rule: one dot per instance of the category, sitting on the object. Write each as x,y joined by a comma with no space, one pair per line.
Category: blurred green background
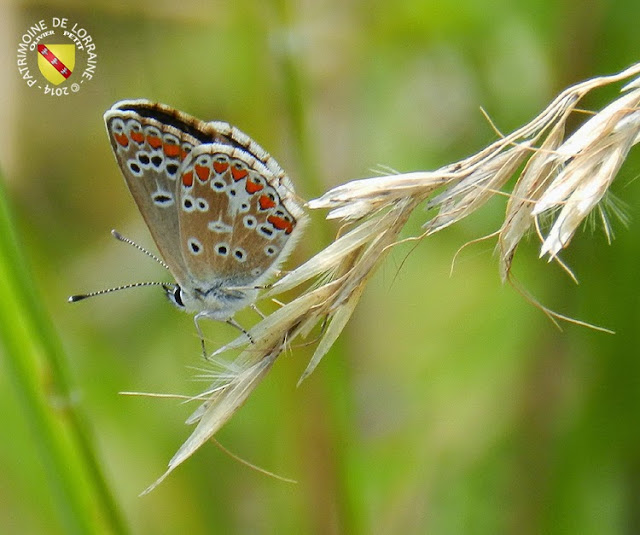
450,405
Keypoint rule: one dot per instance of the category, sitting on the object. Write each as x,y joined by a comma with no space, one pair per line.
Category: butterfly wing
238,221
249,205
150,141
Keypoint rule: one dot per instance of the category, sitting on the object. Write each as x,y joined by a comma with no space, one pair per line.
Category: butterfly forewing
236,219
203,132
150,155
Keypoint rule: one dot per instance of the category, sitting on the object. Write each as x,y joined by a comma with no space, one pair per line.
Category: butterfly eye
174,295
178,295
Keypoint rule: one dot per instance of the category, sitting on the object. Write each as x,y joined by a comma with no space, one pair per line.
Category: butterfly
220,209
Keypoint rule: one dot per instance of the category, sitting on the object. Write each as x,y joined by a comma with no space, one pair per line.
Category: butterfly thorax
216,302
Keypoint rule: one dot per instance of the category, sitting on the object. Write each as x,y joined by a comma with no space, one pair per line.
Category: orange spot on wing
280,223
202,172
121,139
172,151
252,187
187,179
138,137
154,141
238,174
220,167
265,202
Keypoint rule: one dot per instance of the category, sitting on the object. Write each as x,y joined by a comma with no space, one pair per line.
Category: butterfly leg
204,348
230,321
257,311
235,324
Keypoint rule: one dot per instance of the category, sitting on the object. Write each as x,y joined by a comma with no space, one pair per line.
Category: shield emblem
56,62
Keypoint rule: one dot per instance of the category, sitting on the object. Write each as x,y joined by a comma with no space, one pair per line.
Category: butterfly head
217,302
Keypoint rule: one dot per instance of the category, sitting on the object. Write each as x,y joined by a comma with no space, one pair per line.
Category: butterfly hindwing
234,223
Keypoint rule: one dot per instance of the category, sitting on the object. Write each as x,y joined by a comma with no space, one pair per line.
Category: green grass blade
62,436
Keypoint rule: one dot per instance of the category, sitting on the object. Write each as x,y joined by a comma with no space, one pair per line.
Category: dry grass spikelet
566,177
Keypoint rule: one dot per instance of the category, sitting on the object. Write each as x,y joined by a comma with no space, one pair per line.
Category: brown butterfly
221,210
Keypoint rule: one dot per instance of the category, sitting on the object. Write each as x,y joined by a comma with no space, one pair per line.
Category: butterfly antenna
80,297
128,241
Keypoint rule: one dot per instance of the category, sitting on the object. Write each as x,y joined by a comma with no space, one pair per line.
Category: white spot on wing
162,198
219,227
